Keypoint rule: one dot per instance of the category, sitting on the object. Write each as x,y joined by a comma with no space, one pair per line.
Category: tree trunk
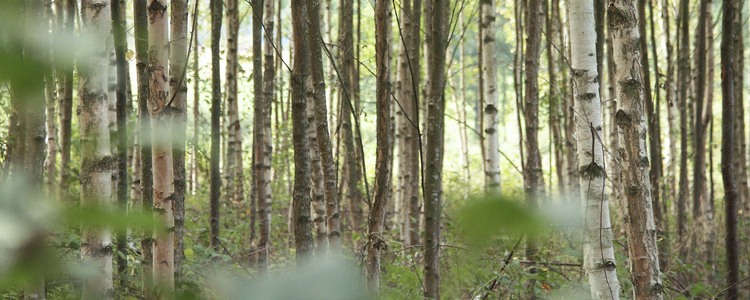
489,92
140,13
121,45
235,179
700,126
683,75
533,173
301,197
66,109
670,184
728,58
555,93
215,185
263,146
640,226
740,140
161,147
599,256
96,182
384,156
318,185
178,98
194,172
349,83
433,190
324,140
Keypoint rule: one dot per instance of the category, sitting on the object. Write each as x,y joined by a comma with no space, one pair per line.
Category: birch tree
630,119
96,181
161,145
489,92
598,249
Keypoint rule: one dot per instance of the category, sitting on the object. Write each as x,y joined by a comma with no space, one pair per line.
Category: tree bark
121,45
728,69
683,75
533,173
66,109
96,157
194,169
433,190
235,179
324,140
555,93
640,226
599,256
700,204
489,92
263,146
740,140
301,197
215,185
178,98
384,155
140,12
161,146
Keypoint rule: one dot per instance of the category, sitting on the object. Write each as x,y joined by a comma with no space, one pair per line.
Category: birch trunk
236,180
598,249
640,226
263,140
96,182
161,146
489,92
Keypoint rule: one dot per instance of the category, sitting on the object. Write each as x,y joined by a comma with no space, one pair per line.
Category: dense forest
403,149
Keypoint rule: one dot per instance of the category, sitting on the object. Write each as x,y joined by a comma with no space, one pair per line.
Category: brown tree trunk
301,197
533,173
215,185
700,126
66,109
555,94
194,172
683,75
384,155
433,190
728,57
235,170
740,140
640,225
178,98
140,13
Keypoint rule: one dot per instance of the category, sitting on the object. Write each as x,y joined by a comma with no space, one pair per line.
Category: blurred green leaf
116,220
487,216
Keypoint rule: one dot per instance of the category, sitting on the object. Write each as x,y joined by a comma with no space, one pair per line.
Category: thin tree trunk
194,169
555,95
728,57
683,75
121,45
740,140
324,140
301,198
235,179
599,256
178,98
140,13
96,182
66,109
215,185
615,165
433,190
263,146
518,78
489,92
384,156
640,227
699,140
533,173
671,97
161,147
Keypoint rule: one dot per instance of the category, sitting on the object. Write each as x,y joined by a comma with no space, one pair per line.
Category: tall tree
325,148
263,146
140,12
640,226
96,180
489,94
236,180
161,145
700,126
599,254
193,177
121,46
556,97
178,107
66,106
728,58
301,197
683,75
215,185
433,190
671,97
533,176
384,155
408,119
740,140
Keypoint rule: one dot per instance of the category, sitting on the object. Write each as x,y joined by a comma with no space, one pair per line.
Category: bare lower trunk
236,180
118,31
599,259
215,168
640,225
489,92
263,146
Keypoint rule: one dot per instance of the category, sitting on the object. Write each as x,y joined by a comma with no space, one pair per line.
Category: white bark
489,71
96,176
598,250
